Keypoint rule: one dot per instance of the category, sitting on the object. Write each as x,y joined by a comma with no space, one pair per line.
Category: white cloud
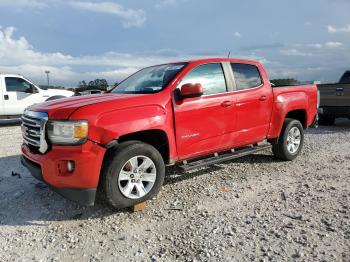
237,34
23,3
319,46
18,56
130,17
332,29
294,52
308,23
166,3
333,44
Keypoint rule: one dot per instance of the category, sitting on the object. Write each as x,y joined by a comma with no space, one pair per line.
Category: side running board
222,158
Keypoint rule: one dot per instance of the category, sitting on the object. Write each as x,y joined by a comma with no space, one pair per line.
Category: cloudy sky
76,40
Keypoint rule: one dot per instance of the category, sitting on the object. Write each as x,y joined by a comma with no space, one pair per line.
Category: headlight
67,132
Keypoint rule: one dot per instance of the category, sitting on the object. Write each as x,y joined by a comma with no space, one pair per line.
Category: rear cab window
246,76
210,76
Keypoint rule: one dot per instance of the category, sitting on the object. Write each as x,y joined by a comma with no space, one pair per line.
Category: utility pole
47,72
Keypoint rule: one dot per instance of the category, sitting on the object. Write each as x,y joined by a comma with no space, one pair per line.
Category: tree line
100,84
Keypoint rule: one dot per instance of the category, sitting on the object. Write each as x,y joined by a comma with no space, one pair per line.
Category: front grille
33,129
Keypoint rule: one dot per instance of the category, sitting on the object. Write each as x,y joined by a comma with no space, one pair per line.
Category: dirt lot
251,209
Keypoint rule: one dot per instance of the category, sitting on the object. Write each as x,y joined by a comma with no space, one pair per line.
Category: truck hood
63,108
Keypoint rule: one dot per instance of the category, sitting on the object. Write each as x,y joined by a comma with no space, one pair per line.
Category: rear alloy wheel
291,140
132,173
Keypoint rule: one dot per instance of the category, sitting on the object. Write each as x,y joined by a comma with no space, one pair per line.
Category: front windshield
149,80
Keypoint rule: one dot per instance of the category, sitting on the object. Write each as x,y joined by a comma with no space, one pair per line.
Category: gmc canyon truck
17,93
335,100
192,114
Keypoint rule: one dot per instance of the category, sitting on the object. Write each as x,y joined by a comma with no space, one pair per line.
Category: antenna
229,53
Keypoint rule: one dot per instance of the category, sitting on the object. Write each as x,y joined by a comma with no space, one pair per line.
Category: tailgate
334,94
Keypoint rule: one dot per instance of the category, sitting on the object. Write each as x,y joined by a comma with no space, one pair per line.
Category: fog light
70,166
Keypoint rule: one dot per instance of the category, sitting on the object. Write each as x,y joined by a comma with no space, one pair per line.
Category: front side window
246,76
14,84
149,80
210,76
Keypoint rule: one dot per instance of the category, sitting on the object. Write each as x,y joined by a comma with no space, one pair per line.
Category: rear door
19,94
202,123
254,100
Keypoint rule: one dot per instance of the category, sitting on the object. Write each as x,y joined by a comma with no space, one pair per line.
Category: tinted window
14,84
246,76
210,76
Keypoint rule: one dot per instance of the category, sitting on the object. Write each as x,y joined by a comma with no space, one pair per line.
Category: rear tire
133,172
290,142
325,120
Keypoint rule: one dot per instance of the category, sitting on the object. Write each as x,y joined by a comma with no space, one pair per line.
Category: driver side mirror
191,90
32,90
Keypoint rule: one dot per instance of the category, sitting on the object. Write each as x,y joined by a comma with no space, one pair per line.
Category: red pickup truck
191,113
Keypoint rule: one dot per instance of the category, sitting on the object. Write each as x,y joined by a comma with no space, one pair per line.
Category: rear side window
210,76
14,84
246,76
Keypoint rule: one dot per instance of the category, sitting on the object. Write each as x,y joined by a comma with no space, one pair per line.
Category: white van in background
17,93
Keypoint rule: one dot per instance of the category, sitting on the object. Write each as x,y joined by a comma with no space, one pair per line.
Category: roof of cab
219,59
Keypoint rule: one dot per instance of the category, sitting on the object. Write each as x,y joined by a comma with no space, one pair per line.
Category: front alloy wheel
137,176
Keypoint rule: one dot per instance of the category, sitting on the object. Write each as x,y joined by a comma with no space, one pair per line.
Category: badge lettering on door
190,136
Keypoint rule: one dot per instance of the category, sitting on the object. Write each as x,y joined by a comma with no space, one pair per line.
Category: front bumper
79,185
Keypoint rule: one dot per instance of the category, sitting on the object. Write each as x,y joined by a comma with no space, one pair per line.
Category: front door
201,123
19,94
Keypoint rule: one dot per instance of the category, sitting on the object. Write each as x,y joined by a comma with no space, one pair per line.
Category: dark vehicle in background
335,100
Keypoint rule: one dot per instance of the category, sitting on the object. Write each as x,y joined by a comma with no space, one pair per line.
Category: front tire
291,140
133,173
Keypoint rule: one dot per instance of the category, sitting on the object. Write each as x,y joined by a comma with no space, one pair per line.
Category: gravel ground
252,209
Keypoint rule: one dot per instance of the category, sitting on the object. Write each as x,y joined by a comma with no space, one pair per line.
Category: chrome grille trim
33,129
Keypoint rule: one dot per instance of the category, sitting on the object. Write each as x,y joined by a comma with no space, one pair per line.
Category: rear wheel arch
300,115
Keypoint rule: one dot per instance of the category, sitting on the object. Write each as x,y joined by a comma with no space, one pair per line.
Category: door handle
226,103
6,97
263,98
